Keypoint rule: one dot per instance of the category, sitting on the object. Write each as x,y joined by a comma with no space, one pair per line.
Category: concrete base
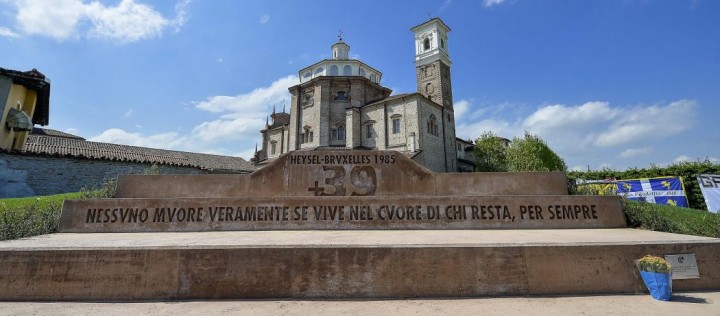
340,264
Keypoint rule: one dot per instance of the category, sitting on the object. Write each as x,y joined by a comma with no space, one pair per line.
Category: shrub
688,171
531,153
24,217
490,153
671,219
523,154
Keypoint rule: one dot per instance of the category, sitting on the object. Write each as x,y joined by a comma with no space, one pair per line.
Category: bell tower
432,63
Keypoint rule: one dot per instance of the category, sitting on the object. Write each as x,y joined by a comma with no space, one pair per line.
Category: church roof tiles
55,143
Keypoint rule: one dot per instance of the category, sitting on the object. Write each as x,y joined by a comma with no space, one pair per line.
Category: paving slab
362,238
683,303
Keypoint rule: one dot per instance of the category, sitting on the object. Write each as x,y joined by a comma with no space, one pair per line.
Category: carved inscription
340,213
344,175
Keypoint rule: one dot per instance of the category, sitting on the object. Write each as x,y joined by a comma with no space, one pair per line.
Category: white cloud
643,123
6,32
128,21
558,116
254,102
264,19
490,3
71,130
586,132
128,113
233,129
635,152
240,119
162,140
683,158
445,5
579,168
497,126
461,107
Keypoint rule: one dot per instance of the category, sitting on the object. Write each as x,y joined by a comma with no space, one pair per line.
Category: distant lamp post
18,121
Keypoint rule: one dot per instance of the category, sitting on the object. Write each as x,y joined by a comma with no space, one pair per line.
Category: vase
659,284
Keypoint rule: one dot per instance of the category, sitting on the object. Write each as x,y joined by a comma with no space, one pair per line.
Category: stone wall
429,143
22,175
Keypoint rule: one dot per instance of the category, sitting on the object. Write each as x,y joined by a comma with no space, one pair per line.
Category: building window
338,133
272,147
369,131
362,72
347,70
426,44
396,126
319,71
333,70
432,125
373,78
341,97
306,136
442,43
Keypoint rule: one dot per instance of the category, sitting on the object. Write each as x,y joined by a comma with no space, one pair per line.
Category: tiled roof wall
77,147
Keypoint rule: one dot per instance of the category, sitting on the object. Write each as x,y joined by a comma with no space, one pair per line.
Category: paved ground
696,304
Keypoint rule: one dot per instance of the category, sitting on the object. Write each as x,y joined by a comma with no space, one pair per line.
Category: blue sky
613,83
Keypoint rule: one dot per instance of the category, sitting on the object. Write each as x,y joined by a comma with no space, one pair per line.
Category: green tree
490,153
531,153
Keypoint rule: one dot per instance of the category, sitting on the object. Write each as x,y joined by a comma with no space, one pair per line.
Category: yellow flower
655,264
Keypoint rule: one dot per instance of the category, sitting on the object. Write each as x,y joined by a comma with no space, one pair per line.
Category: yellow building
24,102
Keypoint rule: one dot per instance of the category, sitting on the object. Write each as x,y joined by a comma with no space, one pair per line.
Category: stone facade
22,175
350,109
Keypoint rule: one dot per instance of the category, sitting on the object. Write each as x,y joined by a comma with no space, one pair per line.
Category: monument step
342,173
340,264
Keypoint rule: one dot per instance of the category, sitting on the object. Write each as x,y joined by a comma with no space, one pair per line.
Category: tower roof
433,20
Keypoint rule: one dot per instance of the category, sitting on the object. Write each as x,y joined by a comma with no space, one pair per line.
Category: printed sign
710,187
666,190
684,266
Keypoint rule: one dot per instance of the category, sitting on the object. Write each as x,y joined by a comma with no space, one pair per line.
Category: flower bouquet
656,274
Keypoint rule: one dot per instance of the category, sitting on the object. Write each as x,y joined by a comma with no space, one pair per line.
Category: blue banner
666,190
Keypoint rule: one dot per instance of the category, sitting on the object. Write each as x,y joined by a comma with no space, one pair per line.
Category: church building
340,103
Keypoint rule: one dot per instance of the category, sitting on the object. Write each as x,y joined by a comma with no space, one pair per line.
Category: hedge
688,171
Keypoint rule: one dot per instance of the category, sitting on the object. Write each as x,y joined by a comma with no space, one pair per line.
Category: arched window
333,70
338,133
307,75
307,135
432,125
362,72
426,44
347,70
442,43
369,130
319,71
373,78
273,145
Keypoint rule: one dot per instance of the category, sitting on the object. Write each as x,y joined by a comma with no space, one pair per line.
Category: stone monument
340,224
